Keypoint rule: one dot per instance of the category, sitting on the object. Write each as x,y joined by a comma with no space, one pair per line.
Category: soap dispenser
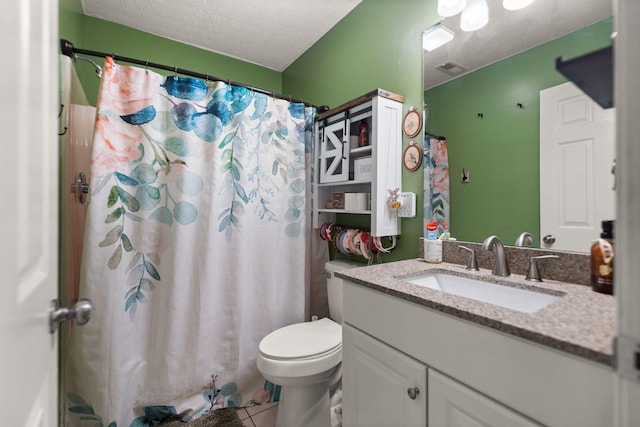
602,260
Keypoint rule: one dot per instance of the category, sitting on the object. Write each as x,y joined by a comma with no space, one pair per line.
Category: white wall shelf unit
344,164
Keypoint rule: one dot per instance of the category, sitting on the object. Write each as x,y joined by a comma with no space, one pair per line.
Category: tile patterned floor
259,416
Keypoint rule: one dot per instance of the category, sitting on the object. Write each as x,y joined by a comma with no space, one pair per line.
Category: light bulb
450,7
516,4
474,16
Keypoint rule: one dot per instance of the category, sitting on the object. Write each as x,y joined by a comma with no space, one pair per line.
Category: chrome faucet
525,239
534,274
500,268
472,264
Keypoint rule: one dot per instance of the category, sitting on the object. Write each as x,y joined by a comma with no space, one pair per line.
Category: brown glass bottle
602,260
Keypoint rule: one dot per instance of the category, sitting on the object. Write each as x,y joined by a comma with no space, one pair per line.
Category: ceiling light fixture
435,36
450,7
516,4
474,16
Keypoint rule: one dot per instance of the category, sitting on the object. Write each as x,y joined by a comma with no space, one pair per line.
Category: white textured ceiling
274,33
271,33
511,32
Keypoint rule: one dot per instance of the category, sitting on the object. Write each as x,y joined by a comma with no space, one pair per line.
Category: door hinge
627,358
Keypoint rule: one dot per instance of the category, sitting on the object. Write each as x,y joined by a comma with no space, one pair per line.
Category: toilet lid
302,340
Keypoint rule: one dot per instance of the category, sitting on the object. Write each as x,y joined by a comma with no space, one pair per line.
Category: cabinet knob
413,392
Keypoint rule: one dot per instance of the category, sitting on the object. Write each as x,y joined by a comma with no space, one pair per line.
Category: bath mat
225,417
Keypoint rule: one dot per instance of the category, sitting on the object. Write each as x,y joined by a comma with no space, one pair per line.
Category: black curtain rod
69,50
432,135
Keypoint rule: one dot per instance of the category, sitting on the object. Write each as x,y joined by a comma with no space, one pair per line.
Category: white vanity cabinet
477,376
342,165
452,404
381,385
384,387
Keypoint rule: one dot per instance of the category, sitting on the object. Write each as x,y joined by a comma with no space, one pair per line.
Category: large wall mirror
482,92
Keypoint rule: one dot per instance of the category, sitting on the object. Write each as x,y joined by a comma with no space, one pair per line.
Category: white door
381,386
627,273
577,146
29,211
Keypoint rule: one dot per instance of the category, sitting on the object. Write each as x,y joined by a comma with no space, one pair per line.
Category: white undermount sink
518,299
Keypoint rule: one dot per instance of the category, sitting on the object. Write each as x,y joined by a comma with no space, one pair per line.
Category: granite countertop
581,322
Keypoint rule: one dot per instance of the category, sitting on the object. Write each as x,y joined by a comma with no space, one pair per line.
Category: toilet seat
301,349
302,340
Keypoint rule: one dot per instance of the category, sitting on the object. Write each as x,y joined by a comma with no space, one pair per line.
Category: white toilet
305,359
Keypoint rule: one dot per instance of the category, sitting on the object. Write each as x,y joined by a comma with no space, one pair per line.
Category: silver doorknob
413,392
549,239
80,313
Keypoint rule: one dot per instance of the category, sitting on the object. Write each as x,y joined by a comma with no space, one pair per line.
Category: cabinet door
453,404
381,386
334,152
386,134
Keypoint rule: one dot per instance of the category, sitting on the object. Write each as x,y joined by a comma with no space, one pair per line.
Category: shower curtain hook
175,73
60,115
206,77
146,64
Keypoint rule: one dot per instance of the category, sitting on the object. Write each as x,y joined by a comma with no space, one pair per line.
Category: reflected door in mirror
577,143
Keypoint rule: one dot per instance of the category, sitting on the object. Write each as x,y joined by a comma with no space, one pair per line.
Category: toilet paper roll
355,201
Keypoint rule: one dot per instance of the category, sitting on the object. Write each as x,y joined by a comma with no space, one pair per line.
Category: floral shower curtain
195,246
436,183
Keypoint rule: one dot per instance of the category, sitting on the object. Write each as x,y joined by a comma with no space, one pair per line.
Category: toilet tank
334,286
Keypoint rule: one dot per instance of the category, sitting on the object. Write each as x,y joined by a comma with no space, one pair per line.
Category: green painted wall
501,149
90,33
70,20
378,45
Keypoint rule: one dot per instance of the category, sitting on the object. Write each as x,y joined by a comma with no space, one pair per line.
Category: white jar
433,251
